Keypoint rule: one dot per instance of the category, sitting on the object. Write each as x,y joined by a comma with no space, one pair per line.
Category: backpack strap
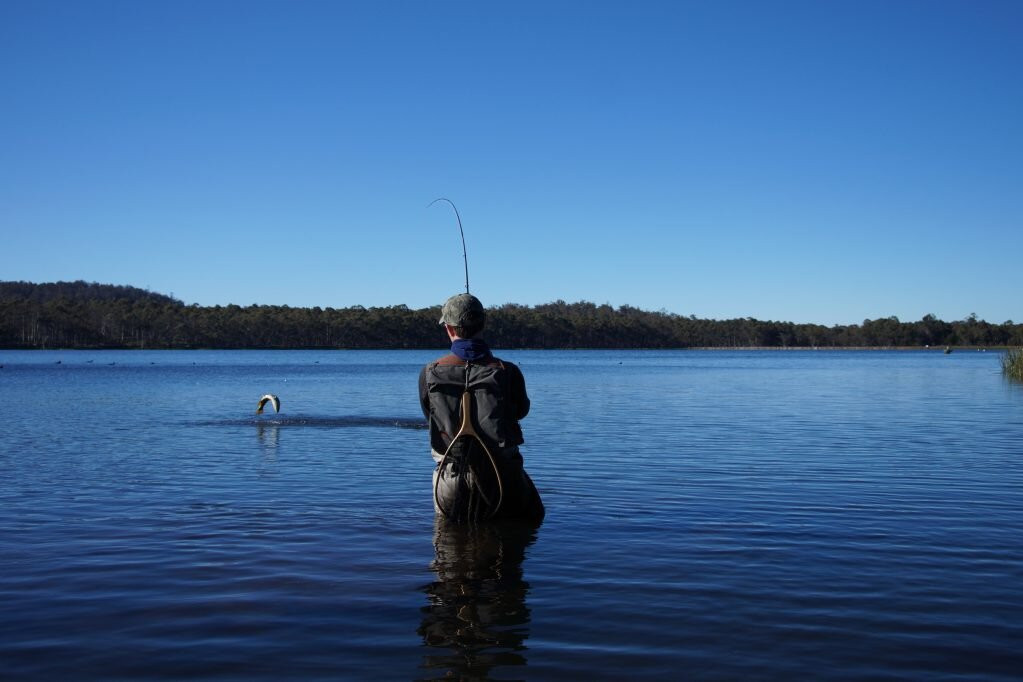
453,360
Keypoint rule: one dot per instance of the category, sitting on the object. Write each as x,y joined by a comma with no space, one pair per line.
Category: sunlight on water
710,515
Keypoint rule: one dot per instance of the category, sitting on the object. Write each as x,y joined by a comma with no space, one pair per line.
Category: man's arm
517,390
424,395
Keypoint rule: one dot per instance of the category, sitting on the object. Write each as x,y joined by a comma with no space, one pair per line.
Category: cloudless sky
824,161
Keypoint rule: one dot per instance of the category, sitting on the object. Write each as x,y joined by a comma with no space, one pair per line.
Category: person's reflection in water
477,616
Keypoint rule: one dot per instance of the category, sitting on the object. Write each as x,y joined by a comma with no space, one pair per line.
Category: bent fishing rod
465,258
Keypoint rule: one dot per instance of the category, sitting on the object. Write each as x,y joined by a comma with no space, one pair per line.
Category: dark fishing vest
488,382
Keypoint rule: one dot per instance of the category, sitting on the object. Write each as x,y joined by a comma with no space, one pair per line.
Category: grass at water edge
1012,363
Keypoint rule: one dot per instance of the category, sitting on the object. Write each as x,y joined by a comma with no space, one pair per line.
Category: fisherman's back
499,400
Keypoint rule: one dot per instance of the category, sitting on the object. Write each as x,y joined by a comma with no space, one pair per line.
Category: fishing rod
465,258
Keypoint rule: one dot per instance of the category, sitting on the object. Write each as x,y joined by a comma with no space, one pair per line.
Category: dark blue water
710,515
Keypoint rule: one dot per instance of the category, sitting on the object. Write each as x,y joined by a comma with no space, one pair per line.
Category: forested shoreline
101,316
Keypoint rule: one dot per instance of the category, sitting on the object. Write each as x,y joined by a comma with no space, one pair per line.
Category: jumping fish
269,398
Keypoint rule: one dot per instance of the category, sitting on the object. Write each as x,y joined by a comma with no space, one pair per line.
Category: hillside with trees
79,291
89,315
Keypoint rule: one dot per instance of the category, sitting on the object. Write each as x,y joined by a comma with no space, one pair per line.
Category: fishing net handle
467,429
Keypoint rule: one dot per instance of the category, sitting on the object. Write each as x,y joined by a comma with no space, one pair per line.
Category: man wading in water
479,474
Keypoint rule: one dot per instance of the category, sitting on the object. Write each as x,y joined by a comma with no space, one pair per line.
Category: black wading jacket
499,401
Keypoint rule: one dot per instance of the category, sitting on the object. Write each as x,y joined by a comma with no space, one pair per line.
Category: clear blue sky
822,161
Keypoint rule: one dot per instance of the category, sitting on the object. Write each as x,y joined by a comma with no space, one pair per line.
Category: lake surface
710,515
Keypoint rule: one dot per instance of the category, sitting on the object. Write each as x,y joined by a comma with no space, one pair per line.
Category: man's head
465,314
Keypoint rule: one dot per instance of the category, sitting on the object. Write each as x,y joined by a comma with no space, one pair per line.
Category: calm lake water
710,515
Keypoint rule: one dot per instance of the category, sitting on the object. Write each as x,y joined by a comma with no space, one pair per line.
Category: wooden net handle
467,429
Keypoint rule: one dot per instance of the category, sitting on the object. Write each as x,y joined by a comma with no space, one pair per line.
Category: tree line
90,315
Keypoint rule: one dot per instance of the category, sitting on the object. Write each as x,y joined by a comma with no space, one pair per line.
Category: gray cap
462,310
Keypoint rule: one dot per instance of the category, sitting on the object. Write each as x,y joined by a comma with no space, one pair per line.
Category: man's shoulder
505,364
452,359
511,367
449,359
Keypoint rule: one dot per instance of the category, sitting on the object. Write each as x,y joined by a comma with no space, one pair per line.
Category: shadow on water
322,422
476,618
